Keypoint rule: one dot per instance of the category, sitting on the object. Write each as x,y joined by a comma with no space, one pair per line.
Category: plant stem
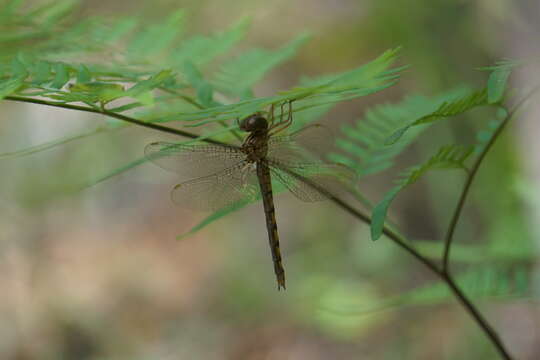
471,176
476,315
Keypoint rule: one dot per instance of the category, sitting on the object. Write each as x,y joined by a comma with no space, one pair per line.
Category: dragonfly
226,174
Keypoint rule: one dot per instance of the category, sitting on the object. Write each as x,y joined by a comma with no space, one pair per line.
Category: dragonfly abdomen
265,183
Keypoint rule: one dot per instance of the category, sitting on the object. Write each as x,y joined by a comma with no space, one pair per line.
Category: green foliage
163,95
447,157
484,282
218,214
156,39
496,84
363,144
10,86
498,79
237,76
445,110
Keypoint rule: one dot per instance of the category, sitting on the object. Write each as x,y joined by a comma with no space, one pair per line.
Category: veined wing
314,181
296,161
193,160
213,192
301,146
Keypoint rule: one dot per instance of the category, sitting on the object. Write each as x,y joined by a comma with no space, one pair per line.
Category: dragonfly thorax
256,146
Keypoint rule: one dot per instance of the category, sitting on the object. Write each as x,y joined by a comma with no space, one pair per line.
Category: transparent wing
314,181
193,160
302,146
213,192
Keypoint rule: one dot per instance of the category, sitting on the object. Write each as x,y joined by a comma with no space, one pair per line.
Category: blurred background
98,273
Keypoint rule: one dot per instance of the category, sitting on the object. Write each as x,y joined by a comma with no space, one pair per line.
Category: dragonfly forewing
216,191
193,160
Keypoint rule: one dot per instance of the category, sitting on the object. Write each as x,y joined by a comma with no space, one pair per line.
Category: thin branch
471,176
477,316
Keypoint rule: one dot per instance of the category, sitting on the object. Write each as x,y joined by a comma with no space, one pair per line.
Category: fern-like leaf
155,39
200,50
237,76
363,144
447,109
447,157
9,86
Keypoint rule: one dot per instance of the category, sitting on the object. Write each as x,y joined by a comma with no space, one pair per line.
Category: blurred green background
98,274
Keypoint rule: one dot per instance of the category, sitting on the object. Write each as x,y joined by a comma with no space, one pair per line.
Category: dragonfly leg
271,116
289,119
282,125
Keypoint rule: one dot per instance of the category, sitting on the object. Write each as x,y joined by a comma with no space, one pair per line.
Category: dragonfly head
255,122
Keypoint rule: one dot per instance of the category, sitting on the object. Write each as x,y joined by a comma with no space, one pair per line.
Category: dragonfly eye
253,123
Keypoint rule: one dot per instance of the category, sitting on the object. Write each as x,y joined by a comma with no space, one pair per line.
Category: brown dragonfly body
256,148
225,175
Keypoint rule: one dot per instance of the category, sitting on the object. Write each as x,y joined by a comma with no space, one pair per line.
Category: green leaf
199,50
378,216
447,157
498,79
9,86
205,91
83,75
241,73
447,109
91,92
18,68
497,85
41,72
116,172
145,86
61,76
126,107
214,217
155,39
